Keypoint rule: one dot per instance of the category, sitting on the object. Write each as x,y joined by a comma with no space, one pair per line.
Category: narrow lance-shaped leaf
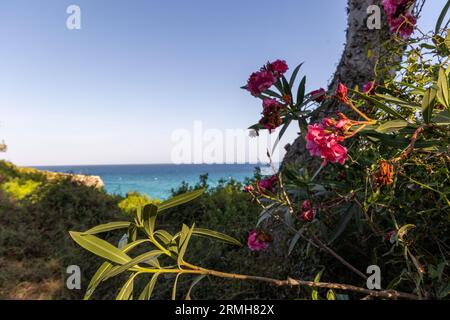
378,104
100,247
442,92
108,227
126,293
427,104
181,199
97,278
294,75
194,283
174,290
185,236
315,291
392,126
442,17
301,91
133,262
149,214
216,235
148,290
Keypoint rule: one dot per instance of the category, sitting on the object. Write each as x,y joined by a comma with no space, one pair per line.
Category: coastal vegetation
363,211
360,211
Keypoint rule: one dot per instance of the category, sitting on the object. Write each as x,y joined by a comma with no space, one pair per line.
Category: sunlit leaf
108,227
315,291
100,247
126,293
180,199
133,262
392,126
216,235
97,278
148,290
428,104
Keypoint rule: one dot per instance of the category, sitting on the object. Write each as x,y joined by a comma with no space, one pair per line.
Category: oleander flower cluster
266,77
324,139
401,20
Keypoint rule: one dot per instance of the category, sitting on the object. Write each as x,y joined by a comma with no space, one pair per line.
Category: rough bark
356,66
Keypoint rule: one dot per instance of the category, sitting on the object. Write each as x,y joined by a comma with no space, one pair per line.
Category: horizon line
145,164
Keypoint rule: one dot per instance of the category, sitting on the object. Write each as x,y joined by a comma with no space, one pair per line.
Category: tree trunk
363,49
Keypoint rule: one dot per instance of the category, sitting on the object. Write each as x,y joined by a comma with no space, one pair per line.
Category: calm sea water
157,180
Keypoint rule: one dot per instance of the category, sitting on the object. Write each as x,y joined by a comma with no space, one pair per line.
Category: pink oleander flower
256,241
314,138
403,25
341,92
268,184
278,67
307,212
322,140
248,188
369,88
335,153
260,81
318,95
399,17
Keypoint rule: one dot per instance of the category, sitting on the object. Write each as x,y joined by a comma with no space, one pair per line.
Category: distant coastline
157,180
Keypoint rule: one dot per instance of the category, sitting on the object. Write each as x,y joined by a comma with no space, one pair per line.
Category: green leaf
294,75
378,104
286,87
294,241
447,39
97,278
148,290
149,218
404,230
126,293
100,247
132,245
301,91
216,235
185,236
280,134
315,291
331,295
273,94
181,199
442,17
108,227
194,283
427,104
133,262
442,93
174,290
392,126
343,222
164,236
392,99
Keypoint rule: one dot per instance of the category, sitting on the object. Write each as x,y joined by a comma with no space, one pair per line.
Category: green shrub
20,188
135,200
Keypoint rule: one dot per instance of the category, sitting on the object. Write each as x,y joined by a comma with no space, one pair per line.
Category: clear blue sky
114,91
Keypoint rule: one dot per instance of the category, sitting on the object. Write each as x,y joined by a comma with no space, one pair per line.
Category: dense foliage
380,195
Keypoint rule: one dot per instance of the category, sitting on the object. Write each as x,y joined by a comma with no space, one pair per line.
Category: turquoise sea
156,180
